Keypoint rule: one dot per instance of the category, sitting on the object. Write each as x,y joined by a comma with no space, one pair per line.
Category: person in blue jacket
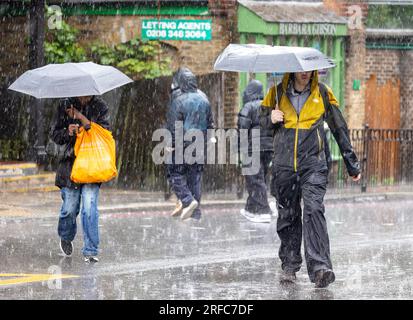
191,109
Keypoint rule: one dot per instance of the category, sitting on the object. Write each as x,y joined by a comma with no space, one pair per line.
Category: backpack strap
324,94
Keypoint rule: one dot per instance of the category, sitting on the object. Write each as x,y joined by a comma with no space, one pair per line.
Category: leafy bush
136,58
61,45
390,16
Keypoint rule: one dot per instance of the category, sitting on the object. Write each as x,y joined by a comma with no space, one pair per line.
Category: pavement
47,204
146,254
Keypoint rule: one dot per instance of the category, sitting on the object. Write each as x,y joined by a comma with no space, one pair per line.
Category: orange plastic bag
95,153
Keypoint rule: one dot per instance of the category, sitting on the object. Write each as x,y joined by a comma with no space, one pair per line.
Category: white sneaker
247,214
273,207
91,259
187,211
261,218
256,217
178,209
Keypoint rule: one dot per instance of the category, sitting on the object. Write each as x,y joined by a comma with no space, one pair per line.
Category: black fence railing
385,155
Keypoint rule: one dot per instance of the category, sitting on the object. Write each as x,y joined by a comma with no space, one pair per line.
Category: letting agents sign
189,30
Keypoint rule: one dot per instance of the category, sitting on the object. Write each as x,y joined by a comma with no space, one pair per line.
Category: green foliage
12,149
391,17
63,46
138,59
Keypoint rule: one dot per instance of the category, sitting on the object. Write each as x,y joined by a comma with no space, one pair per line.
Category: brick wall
222,7
355,70
199,56
355,56
406,89
227,9
385,64
196,55
341,7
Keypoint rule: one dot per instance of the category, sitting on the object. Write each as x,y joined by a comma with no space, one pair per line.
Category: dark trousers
257,201
185,181
293,223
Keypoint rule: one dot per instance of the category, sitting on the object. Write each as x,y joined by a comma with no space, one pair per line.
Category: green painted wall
252,26
249,22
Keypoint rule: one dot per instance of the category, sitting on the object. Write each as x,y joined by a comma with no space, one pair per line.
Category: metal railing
385,155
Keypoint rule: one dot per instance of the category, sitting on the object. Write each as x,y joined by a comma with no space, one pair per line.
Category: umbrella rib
256,58
91,76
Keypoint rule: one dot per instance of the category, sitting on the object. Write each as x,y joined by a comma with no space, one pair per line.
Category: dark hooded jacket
299,142
189,105
249,116
96,111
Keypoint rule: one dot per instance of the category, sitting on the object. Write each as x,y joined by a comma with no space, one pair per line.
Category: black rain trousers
294,223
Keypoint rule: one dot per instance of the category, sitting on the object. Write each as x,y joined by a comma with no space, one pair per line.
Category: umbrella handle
275,106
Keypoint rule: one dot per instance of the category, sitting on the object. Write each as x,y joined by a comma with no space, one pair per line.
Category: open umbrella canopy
266,58
70,80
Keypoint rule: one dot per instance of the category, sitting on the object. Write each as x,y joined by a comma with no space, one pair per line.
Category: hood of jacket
253,91
186,80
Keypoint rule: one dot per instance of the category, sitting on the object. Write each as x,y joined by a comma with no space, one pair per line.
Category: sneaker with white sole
261,218
246,214
178,209
273,207
66,247
256,217
91,259
187,211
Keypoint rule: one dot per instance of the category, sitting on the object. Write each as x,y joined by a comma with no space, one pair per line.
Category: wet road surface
148,255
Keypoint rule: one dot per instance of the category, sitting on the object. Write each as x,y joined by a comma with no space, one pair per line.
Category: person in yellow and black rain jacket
300,169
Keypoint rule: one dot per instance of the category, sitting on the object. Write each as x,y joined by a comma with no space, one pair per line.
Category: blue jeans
88,195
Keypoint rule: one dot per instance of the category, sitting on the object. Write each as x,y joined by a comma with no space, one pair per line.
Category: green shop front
297,24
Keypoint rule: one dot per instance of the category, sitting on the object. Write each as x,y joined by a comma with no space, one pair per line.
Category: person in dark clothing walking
191,110
257,208
174,93
72,114
300,170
